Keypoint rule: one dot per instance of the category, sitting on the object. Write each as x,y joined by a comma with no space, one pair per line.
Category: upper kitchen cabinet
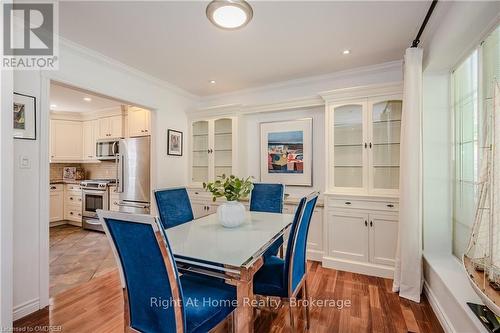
138,123
213,148
363,128
111,127
90,133
65,140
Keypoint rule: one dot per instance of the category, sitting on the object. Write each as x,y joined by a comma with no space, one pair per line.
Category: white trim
438,310
26,308
92,115
365,268
315,255
368,91
96,56
310,80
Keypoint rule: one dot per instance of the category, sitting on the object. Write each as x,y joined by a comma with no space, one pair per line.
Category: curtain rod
416,41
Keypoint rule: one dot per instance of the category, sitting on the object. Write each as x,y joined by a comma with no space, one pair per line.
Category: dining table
234,254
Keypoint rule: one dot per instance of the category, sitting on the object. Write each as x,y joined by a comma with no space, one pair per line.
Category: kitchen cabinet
73,204
56,210
111,127
65,140
90,133
114,199
138,122
361,234
213,149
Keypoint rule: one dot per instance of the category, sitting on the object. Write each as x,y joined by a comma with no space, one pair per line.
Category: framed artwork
174,142
24,117
286,152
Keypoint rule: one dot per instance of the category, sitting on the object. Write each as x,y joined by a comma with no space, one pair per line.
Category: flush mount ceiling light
229,14
212,81
345,52
53,106
87,99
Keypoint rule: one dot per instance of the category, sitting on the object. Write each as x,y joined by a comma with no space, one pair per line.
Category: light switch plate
24,162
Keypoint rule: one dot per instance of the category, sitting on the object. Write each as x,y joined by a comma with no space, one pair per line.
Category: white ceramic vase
231,214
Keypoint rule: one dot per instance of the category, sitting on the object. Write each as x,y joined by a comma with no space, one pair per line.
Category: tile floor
77,256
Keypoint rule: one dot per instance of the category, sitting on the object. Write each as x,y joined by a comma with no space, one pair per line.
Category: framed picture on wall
174,142
286,152
24,117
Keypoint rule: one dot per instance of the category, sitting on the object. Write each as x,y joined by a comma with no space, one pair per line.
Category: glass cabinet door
200,152
348,146
223,145
386,131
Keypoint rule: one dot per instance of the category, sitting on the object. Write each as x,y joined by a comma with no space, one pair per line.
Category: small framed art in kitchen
24,117
286,152
174,142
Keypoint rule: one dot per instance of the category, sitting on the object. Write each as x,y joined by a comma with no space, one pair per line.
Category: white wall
88,70
251,144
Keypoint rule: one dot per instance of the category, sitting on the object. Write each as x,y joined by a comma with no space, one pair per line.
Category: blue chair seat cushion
207,302
270,279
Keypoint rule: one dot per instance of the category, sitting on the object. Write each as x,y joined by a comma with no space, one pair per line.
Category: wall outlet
24,162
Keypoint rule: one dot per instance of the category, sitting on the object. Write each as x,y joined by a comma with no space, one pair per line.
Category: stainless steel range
95,195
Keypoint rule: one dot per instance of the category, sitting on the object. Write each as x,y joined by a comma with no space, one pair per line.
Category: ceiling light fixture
229,14
87,99
212,81
346,52
53,105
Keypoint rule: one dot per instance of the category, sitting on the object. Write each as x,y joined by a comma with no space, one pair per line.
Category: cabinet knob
370,145
52,187
146,130
366,145
347,202
371,223
70,213
366,223
390,205
70,198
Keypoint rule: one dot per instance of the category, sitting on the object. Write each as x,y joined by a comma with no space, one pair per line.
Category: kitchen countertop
64,181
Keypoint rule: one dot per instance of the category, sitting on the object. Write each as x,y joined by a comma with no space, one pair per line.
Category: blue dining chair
156,298
284,278
174,206
269,198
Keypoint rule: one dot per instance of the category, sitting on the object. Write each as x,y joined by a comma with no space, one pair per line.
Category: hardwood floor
77,256
97,306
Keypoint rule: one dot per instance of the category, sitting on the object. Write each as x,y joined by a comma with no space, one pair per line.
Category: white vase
231,214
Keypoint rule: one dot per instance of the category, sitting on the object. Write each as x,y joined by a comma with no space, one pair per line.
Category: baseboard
25,309
76,224
56,223
315,255
438,310
358,267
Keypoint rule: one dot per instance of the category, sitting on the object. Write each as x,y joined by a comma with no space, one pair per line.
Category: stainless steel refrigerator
133,175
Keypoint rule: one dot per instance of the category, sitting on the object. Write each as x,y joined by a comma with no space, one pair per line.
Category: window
472,99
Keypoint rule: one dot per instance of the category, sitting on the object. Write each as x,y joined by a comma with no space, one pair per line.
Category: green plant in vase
231,213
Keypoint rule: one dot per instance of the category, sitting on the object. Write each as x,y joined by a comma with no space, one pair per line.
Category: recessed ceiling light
212,81
53,105
229,14
87,99
345,52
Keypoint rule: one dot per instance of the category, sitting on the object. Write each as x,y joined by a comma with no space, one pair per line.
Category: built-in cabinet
73,136
138,122
111,127
213,148
66,140
56,210
362,127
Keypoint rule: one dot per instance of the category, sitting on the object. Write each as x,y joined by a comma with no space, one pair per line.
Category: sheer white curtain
408,271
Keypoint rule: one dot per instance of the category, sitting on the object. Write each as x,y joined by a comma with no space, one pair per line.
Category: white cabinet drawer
74,199
56,187
73,214
199,195
391,206
74,188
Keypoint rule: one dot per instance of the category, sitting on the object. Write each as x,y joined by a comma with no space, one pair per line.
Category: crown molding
391,65
301,103
372,90
96,56
84,116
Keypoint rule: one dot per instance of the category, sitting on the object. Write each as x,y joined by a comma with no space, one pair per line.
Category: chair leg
233,322
290,312
306,298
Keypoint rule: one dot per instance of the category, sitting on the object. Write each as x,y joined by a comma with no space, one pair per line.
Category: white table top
204,239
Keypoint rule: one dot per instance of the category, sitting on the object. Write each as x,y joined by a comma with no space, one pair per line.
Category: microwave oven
107,149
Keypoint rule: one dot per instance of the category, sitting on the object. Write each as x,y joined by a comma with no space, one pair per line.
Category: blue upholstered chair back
148,272
295,259
174,206
267,198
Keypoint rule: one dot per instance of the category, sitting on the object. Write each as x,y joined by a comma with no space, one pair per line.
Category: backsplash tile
103,170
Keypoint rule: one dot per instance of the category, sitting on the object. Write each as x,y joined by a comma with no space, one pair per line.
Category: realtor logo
29,31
